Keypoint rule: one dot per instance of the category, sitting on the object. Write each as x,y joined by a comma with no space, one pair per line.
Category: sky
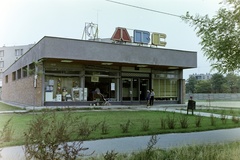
25,22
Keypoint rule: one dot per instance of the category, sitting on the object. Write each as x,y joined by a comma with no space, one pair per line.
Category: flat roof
95,51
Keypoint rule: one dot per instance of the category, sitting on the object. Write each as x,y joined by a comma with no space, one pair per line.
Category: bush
198,120
85,129
152,142
125,127
7,132
145,124
48,135
183,119
171,122
105,127
110,155
163,123
149,153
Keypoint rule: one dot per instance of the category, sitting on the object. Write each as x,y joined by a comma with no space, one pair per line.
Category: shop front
70,72
78,84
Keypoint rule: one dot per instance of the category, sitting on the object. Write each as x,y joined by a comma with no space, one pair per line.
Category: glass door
130,89
126,89
135,89
144,86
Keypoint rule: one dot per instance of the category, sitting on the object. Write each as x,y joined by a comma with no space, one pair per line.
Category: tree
232,81
217,81
190,85
203,86
220,36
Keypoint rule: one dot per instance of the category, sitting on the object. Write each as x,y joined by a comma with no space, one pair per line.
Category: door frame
130,90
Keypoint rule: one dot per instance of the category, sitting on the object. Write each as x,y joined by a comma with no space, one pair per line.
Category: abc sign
140,37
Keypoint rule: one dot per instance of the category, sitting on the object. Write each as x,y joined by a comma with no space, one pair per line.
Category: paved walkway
130,144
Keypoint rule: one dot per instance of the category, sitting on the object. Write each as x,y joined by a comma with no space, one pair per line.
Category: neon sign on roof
140,37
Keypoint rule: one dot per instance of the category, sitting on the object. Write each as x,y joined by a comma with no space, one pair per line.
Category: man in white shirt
152,94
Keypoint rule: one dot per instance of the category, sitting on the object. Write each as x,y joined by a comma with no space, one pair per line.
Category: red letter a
121,34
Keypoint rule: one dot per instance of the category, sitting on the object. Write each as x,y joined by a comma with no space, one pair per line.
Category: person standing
148,98
152,94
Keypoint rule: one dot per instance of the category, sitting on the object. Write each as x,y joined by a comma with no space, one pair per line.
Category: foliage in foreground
220,35
49,136
225,151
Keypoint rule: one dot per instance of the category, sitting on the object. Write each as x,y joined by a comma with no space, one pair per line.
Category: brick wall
22,91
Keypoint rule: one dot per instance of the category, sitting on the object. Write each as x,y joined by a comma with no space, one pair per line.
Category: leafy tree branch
219,35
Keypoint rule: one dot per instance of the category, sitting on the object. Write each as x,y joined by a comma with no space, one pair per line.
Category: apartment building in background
10,54
201,76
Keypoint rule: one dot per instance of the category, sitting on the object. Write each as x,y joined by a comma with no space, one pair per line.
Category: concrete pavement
131,144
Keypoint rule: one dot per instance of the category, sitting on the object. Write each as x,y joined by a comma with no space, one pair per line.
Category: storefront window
106,86
165,85
60,88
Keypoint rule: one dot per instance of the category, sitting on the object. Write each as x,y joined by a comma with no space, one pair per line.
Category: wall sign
140,37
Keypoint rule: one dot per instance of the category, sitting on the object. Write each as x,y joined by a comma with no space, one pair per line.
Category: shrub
145,124
110,155
85,129
149,153
7,132
171,122
198,120
152,142
163,123
48,135
183,119
125,127
105,127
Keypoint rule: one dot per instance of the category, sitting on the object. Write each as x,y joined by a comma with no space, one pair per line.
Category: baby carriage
101,100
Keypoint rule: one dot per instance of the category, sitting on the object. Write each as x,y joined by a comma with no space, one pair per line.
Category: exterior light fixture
66,61
107,64
142,65
172,67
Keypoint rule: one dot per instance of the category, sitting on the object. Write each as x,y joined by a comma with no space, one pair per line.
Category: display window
60,88
107,87
165,85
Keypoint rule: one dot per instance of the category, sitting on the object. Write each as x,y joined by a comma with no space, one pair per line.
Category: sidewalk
131,144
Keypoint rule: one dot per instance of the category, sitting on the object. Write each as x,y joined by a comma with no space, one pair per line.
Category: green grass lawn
222,111
113,119
6,107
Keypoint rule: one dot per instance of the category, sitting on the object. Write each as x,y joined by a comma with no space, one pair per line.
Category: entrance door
130,89
126,89
144,86
134,89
